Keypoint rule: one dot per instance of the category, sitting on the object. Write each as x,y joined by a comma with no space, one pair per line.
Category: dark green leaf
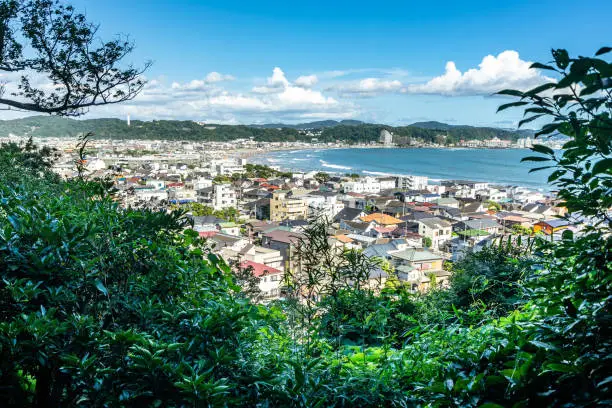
538,148
511,105
535,159
538,65
101,287
602,166
511,92
603,50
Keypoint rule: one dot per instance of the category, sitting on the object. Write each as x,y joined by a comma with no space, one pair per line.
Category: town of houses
414,224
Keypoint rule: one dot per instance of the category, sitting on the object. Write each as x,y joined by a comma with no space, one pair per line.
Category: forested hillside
41,126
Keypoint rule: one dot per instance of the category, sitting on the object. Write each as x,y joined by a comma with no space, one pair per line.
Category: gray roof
348,213
357,226
382,250
435,222
207,219
478,224
416,255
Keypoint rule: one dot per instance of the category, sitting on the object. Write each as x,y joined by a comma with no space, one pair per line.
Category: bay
499,166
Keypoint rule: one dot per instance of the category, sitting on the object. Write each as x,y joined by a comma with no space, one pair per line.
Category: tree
521,230
493,205
571,293
321,177
46,42
427,242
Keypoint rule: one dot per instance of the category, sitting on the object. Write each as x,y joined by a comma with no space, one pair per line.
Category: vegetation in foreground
104,306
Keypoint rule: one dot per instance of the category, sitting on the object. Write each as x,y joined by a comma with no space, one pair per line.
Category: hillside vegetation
41,126
104,306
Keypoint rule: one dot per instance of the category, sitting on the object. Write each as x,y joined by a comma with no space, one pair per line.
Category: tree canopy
47,42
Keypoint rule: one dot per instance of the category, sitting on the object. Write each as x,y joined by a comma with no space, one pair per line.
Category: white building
224,196
387,183
362,186
201,183
412,182
386,137
436,229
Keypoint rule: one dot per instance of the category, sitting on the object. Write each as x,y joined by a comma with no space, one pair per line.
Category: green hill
345,131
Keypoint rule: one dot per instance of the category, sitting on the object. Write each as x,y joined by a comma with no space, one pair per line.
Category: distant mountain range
350,131
311,125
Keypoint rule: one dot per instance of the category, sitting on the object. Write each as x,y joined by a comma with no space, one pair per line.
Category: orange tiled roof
343,238
380,218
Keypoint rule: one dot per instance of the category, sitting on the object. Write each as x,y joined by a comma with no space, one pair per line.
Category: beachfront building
386,137
366,185
412,182
283,206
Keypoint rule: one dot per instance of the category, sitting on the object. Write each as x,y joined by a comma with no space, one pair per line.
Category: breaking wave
334,166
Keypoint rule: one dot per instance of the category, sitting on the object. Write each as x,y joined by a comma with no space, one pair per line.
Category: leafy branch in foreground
48,40
580,107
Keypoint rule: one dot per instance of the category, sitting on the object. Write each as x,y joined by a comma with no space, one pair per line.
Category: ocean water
500,166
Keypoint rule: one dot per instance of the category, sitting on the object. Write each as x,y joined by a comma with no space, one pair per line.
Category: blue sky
395,62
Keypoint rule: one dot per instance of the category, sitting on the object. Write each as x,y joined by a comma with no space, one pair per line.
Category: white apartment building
224,196
201,183
365,185
227,167
323,206
412,182
387,183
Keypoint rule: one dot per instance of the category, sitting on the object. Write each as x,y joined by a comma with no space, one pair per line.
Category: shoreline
342,170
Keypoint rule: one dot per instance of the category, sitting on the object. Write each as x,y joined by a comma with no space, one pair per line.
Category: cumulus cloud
214,77
202,84
208,99
494,73
369,86
276,83
307,81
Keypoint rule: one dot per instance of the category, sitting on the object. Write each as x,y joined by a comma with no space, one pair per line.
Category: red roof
259,269
208,234
355,195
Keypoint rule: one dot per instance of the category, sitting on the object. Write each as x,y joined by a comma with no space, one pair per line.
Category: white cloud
493,74
214,77
307,81
276,83
202,84
211,101
369,86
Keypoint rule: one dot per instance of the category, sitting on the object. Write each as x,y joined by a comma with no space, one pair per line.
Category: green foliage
104,306
579,106
51,39
427,242
322,177
493,205
200,210
40,126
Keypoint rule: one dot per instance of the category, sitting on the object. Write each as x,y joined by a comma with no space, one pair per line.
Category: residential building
436,229
270,279
224,196
412,182
365,185
283,206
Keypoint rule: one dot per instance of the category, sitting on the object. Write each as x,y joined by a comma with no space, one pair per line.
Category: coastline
501,167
